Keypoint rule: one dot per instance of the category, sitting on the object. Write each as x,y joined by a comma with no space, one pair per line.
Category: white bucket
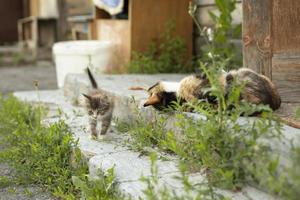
75,56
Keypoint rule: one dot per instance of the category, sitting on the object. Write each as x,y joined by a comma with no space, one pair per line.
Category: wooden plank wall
286,48
286,26
286,76
146,26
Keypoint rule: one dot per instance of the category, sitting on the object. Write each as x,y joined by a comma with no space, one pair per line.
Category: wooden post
62,25
257,37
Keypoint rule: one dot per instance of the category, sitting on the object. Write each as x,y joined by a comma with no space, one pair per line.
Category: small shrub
169,55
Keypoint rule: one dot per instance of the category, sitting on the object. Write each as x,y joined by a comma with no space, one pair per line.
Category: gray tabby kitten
99,105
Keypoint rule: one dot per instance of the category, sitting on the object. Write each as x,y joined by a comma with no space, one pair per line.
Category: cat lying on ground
258,89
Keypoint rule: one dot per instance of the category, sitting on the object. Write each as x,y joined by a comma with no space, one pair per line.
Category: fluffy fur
99,106
258,89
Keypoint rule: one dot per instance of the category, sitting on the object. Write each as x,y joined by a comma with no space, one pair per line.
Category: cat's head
161,94
96,105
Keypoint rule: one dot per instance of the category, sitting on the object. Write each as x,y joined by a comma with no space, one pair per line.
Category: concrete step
104,154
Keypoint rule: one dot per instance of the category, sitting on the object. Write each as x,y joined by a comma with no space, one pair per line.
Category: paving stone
129,166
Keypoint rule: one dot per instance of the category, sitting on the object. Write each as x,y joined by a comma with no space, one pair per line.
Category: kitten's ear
154,99
87,96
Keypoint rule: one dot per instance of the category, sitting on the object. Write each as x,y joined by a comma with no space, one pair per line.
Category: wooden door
10,12
271,43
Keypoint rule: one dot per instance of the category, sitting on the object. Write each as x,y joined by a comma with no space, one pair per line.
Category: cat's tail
92,79
138,88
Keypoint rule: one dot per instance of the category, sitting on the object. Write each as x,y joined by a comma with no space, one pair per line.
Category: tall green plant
218,40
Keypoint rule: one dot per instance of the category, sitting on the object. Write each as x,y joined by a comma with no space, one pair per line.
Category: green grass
47,156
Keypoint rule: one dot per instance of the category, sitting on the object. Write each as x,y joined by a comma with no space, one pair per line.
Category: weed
298,113
28,193
168,55
291,180
11,190
39,154
47,155
144,132
101,188
5,181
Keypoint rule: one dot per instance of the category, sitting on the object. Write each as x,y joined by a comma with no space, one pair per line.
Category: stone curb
129,165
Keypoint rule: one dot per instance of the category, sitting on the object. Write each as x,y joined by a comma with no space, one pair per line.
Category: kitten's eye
99,112
90,112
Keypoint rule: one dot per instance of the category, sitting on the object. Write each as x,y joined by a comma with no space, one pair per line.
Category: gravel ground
17,78
20,192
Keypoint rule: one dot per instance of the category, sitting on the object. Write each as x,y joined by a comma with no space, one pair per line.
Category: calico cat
163,93
99,105
258,89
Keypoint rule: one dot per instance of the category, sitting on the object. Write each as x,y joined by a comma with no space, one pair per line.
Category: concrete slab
102,155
